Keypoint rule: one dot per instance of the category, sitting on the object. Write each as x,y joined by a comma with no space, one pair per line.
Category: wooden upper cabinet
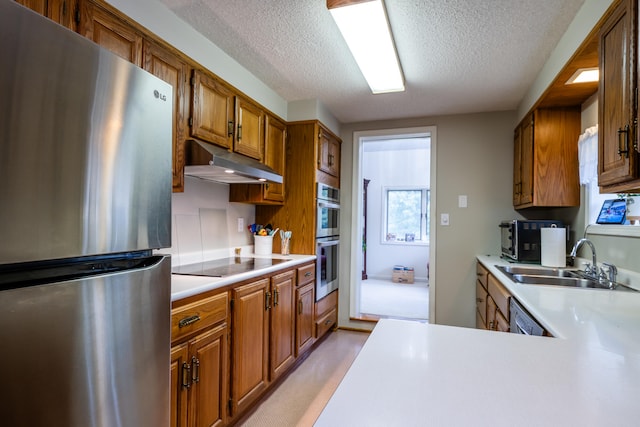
212,110
172,69
249,138
60,11
274,155
618,146
110,32
328,153
546,159
526,161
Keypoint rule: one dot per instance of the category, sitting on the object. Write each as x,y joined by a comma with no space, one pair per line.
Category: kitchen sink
536,271
554,277
575,282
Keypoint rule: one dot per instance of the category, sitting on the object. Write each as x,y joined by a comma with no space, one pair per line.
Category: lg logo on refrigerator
159,95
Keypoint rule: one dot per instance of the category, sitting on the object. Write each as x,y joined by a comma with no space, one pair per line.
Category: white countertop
416,374
183,286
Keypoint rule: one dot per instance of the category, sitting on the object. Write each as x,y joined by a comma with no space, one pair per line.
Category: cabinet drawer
327,303
482,274
326,322
502,324
198,315
500,295
481,301
306,274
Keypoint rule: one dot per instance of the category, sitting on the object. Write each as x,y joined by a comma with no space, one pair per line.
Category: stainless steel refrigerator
85,198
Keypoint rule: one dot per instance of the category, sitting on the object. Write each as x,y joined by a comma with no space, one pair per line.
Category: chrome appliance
327,239
520,239
85,196
328,211
522,322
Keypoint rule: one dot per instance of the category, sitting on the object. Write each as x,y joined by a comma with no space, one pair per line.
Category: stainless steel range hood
245,169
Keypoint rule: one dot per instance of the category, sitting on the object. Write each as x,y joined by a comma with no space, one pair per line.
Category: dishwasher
522,322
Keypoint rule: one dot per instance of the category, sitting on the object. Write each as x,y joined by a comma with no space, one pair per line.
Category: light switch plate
462,201
444,219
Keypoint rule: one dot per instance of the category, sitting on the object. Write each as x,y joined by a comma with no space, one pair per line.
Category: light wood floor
302,396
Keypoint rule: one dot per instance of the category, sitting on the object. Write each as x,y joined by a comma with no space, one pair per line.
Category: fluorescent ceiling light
365,28
584,75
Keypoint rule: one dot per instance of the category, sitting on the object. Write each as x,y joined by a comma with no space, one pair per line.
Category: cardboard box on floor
402,276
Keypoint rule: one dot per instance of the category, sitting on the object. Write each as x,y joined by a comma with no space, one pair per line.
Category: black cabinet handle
188,321
623,143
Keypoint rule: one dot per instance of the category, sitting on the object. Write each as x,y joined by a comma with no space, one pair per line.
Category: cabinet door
492,308
282,334
170,68
329,153
110,32
617,156
481,304
517,179
60,11
250,343
39,6
249,138
212,110
526,161
209,391
274,155
179,384
304,318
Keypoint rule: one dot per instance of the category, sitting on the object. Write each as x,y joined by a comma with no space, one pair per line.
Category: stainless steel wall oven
327,239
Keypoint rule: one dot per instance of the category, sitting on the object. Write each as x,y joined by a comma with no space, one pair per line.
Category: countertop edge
184,286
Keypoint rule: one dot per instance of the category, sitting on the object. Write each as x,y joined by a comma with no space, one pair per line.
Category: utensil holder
284,246
263,245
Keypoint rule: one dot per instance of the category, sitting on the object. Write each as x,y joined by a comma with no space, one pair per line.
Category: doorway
394,175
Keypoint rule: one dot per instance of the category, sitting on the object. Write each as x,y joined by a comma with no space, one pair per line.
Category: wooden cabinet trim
306,274
198,316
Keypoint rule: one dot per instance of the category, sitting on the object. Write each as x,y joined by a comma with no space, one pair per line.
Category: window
406,215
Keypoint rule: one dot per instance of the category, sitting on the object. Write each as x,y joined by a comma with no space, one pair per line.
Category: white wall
205,225
474,157
406,168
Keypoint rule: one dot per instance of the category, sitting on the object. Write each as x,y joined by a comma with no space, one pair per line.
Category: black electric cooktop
226,266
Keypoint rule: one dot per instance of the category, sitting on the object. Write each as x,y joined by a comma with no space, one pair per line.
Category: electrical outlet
462,201
240,225
444,219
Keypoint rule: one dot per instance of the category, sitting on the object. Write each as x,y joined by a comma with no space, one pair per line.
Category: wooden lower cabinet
250,348
283,318
263,336
229,346
199,365
304,318
492,302
326,314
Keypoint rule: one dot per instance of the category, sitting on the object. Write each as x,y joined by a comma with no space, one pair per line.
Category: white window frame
424,220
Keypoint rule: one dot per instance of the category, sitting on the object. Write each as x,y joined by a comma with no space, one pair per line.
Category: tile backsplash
205,224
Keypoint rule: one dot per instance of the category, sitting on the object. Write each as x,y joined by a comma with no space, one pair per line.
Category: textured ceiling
458,56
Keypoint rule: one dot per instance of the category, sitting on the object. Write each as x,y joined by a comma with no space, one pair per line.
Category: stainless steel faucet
590,270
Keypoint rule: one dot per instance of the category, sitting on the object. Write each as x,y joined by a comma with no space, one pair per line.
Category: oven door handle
323,204
326,243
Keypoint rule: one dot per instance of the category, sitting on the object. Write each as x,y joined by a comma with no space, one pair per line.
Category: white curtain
588,155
